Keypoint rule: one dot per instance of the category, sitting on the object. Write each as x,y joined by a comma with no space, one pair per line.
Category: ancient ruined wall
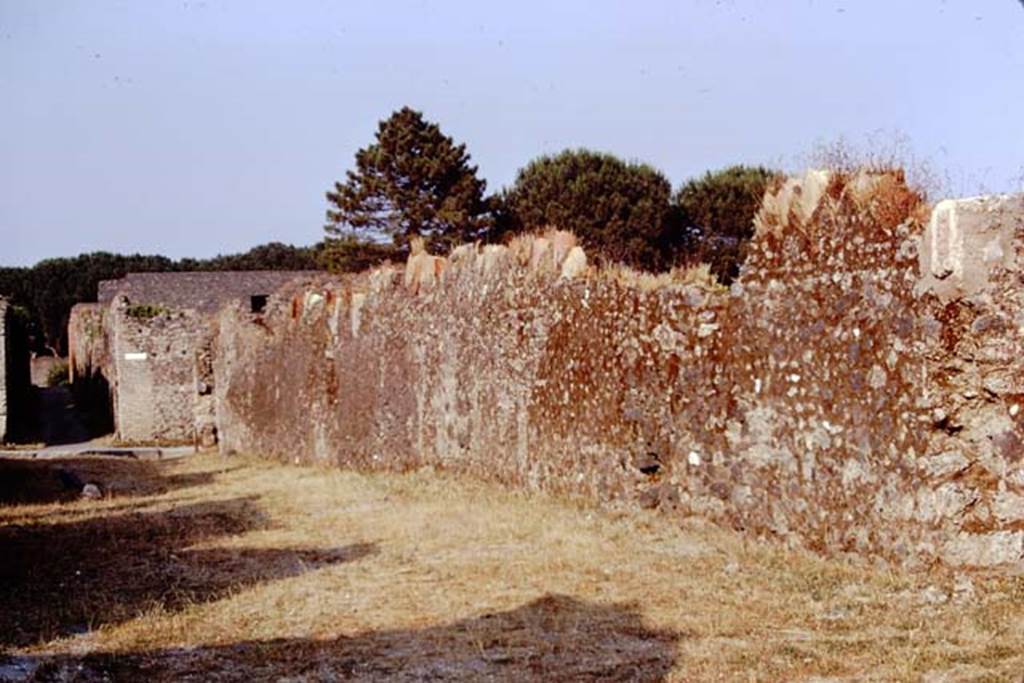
972,260
832,397
4,314
204,291
14,376
154,372
88,341
90,364
141,359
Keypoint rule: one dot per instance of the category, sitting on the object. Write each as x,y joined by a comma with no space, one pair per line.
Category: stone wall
14,376
833,397
4,315
141,360
90,364
204,291
144,368
972,325
88,341
154,373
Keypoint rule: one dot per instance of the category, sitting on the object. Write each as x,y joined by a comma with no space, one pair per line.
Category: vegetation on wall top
415,181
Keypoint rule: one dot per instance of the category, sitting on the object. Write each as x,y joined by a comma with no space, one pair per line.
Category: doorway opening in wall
257,303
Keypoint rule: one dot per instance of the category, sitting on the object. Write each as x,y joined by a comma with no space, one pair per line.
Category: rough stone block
985,550
965,241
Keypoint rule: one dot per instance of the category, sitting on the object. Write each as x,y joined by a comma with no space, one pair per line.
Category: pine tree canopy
618,209
413,180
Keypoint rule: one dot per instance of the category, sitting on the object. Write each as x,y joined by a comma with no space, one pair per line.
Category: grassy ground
232,569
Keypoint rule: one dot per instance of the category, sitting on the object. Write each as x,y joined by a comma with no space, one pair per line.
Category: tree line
43,294
414,180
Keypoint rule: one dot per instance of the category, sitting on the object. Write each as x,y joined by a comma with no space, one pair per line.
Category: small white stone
694,458
757,385
856,333
1014,409
877,377
706,329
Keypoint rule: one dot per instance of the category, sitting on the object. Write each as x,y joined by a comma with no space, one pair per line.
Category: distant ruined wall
154,373
88,343
972,261
15,383
4,315
141,358
144,369
833,397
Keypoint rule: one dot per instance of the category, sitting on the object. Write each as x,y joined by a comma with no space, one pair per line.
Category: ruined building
144,348
858,389
14,375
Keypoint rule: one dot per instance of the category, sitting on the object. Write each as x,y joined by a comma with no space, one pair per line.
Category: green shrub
716,217
619,210
352,254
145,311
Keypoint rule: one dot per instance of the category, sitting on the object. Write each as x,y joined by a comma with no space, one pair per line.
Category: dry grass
698,275
209,568
882,151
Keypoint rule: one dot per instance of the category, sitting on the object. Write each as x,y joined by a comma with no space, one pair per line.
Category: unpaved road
207,568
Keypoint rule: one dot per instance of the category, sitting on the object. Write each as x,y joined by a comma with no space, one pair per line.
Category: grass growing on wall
145,311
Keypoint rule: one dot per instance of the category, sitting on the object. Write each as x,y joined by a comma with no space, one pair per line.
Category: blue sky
192,128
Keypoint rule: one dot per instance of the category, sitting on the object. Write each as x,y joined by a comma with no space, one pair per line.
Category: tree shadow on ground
554,638
35,482
69,577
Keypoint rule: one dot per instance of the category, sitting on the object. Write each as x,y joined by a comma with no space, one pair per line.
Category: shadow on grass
39,482
554,638
69,577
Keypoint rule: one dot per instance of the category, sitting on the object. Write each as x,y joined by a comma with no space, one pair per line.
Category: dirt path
207,568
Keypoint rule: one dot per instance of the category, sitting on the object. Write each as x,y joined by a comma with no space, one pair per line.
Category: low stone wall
832,397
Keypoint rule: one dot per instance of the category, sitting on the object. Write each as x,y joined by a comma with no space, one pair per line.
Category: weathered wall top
966,241
825,399
204,291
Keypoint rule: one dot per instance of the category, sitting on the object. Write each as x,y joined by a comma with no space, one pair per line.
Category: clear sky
192,128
